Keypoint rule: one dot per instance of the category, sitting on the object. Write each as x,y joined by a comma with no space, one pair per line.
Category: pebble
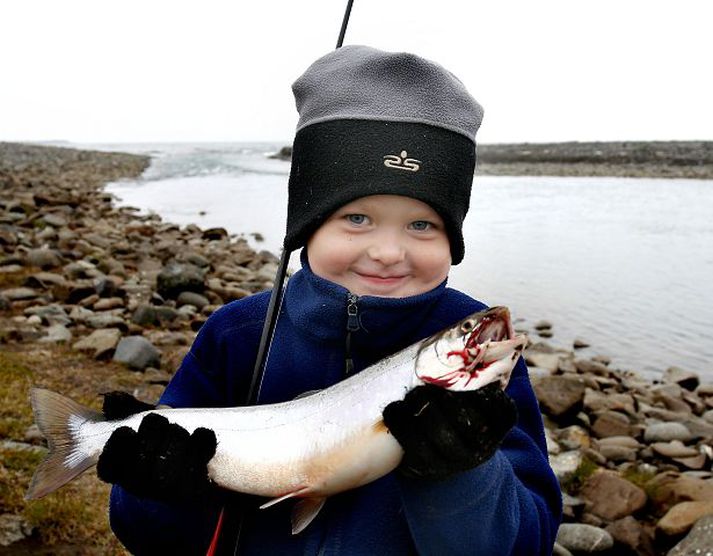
101,343
19,294
56,334
698,542
13,528
579,537
665,432
579,343
674,449
565,463
137,353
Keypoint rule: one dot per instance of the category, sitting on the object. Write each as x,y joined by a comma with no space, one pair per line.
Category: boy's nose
386,251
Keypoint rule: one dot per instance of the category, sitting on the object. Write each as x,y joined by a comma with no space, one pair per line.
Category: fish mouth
494,326
480,349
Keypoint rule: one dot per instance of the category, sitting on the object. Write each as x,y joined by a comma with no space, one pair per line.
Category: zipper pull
352,313
352,326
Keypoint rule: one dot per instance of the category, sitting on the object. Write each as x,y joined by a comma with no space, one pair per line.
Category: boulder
105,320
43,258
573,437
611,496
19,294
549,361
578,537
176,277
698,542
55,220
598,401
586,366
674,449
57,333
191,298
565,463
665,432
50,314
44,280
13,528
213,234
629,533
108,303
137,353
668,489
617,453
611,423
559,395
681,517
686,379
101,343
559,550
145,315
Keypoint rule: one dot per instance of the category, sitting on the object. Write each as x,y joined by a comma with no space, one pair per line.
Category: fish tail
58,418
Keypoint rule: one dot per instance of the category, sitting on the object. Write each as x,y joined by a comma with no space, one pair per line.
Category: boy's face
382,245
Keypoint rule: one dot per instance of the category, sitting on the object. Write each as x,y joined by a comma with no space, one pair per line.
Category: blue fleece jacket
509,505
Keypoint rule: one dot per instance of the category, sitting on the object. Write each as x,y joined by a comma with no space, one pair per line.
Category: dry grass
77,514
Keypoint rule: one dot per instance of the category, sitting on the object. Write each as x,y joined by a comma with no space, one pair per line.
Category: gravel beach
96,298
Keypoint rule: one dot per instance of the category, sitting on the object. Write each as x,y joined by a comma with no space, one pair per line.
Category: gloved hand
444,433
119,405
161,461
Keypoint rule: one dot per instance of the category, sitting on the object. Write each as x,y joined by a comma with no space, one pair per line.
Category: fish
311,447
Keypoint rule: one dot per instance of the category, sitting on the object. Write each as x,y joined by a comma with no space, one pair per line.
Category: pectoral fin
304,512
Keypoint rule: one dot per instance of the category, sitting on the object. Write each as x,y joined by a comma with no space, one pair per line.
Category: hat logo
401,162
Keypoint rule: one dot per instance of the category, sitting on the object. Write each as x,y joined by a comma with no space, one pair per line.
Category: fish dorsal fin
304,512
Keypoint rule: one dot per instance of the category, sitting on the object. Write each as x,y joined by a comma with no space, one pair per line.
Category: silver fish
311,447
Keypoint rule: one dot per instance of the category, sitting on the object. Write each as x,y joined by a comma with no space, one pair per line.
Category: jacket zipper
352,326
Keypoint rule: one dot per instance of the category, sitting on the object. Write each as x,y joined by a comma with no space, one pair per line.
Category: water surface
624,263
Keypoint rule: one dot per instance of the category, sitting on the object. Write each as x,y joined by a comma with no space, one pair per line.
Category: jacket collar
318,307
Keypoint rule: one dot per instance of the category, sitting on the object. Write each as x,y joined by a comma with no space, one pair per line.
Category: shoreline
79,277
638,159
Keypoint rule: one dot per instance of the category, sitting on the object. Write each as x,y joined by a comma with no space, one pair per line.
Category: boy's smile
382,245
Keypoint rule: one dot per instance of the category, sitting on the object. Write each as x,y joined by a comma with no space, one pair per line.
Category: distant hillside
685,159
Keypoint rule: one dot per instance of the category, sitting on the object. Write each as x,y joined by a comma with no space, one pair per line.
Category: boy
382,166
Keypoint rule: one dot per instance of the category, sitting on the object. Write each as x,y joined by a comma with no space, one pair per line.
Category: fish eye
467,326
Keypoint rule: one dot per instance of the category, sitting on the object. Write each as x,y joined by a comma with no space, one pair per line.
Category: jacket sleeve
212,374
511,504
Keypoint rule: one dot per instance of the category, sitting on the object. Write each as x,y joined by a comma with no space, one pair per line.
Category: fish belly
295,461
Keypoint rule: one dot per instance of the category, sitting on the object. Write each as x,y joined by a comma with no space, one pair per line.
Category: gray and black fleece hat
374,122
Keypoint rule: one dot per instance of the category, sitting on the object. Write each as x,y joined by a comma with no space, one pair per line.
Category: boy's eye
357,219
421,225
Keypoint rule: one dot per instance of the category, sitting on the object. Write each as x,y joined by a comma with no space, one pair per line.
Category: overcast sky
546,70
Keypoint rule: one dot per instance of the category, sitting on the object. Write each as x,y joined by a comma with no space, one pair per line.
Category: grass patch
573,482
15,412
76,515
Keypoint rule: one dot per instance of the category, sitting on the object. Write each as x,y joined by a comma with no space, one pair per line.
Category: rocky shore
96,298
653,159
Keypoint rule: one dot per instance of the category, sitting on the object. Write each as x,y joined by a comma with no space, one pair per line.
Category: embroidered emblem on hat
401,162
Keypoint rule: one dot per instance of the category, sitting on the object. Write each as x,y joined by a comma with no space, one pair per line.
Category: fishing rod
232,518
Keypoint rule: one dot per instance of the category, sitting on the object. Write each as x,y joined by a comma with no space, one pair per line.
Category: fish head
474,352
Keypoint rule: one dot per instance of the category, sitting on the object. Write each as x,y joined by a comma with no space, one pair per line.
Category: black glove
160,461
119,405
444,433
